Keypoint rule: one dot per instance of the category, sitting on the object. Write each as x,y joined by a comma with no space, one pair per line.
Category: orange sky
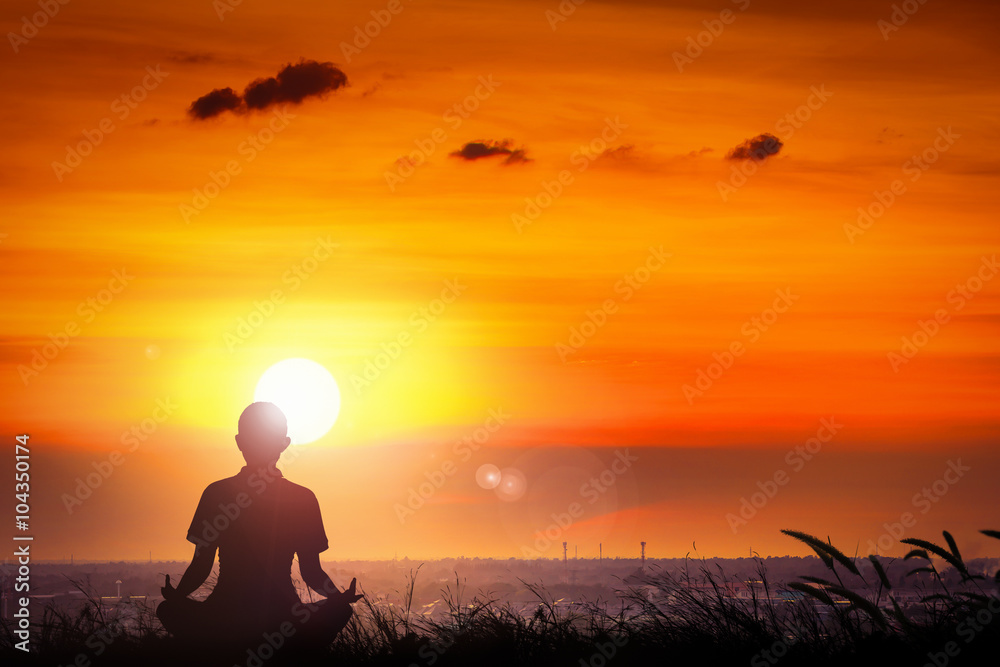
641,145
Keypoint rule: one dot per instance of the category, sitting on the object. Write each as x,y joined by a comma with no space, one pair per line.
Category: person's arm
310,542
195,574
318,580
314,576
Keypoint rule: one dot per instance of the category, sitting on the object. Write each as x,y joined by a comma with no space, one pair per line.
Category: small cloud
215,103
516,157
294,83
476,150
630,157
758,148
371,90
626,152
888,135
193,57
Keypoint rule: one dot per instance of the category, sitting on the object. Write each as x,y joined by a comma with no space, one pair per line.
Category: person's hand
168,591
350,594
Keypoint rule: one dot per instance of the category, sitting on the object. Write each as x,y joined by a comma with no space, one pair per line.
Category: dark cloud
758,148
294,83
214,103
476,150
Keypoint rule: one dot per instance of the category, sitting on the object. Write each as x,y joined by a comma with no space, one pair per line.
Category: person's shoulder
220,485
297,491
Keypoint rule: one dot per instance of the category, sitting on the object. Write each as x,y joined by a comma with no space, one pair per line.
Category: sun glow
306,392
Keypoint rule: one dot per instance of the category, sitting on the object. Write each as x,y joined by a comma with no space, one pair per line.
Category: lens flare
513,484
488,476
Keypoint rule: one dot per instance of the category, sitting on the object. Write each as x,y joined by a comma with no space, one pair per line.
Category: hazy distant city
67,586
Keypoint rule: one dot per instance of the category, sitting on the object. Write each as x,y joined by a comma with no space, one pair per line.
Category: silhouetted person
257,520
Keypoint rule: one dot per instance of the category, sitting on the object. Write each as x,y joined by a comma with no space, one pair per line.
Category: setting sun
306,392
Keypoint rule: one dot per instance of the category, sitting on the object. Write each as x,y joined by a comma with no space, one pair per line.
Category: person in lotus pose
257,521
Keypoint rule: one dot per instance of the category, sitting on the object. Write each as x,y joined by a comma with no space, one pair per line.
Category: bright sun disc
307,394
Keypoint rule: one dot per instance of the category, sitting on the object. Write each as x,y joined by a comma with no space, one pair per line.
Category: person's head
263,434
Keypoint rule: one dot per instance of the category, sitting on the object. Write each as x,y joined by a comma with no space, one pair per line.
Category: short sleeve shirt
258,520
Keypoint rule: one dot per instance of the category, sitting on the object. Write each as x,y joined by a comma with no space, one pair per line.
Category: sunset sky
603,183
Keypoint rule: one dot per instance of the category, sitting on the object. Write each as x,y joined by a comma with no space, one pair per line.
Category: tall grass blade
821,548
938,551
880,572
